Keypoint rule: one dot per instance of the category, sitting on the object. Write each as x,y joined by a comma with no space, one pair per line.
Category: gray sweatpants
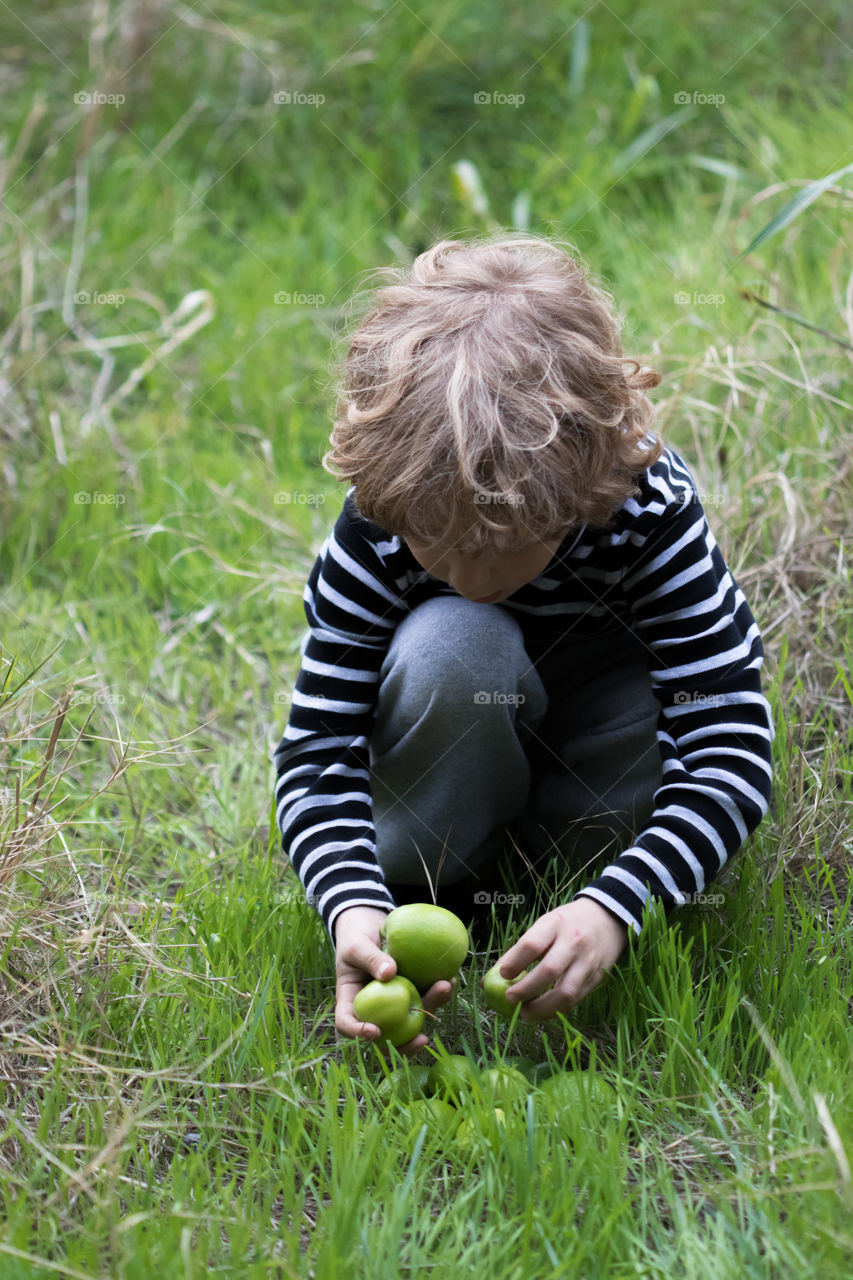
473,743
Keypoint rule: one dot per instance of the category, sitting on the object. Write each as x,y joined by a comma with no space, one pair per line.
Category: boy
520,616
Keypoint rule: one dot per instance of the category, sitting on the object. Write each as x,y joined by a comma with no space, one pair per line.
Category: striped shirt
657,570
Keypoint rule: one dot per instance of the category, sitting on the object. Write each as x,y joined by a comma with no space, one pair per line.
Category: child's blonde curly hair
484,400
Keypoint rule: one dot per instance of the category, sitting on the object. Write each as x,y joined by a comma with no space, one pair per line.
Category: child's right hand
358,959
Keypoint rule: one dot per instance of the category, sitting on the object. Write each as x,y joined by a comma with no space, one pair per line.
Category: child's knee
451,648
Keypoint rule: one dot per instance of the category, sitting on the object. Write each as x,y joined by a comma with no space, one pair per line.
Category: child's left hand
576,945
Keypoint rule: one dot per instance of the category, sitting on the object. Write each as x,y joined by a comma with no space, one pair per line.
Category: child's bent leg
448,769
596,762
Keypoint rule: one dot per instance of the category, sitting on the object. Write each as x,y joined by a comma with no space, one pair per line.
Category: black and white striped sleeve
322,792
715,730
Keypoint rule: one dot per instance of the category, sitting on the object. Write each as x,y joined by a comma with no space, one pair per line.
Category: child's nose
475,575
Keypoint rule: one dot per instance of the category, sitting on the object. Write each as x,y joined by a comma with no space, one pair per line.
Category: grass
172,1093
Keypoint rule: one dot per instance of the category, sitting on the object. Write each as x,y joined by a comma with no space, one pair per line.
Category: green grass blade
794,207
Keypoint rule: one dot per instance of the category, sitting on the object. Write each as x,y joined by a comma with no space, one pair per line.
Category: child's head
484,401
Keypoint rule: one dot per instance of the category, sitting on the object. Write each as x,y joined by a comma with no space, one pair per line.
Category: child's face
488,577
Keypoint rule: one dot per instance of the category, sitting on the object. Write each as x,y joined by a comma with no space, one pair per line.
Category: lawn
192,195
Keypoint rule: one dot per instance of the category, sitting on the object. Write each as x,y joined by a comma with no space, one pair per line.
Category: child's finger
348,1025
540,977
563,994
529,948
437,995
411,1048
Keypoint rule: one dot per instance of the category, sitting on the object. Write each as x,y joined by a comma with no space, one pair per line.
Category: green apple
526,1066
439,1116
494,991
453,1077
427,943
541,1072
504,1085
393,1006
472,1129
582,1093
586,1102
403,1085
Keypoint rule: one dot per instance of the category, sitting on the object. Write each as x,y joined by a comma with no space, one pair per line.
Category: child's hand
358,958
576,945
